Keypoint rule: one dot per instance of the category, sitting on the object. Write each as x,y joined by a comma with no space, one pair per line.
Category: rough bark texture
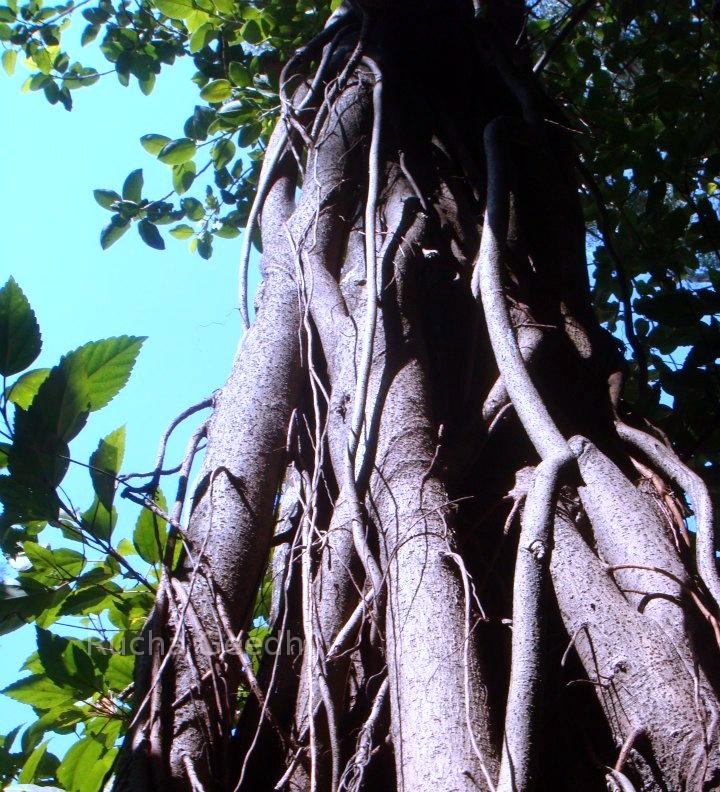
424,333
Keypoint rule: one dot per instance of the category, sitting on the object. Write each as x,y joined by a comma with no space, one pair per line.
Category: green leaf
249,134
150,534
177,151
20,340
119,672
85,766
25,504
66,663
113,231
175,9
222,153
239,75
106,198
216,91
9,59
18,606
202,36
154,144
39,692
147,84
107,365
89,34
193,208
23,390
182,231
51,567
226,231
150,235
99,521
251,32
132,188
105,464
183,176
28,773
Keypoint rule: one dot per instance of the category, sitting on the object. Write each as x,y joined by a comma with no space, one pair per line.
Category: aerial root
677,471
158,471
525,672
352,778
363,376
277,149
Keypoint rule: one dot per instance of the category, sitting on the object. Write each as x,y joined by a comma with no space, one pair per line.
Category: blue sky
51,161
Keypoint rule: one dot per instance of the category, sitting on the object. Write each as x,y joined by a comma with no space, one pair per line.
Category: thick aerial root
639,678
629,534
520,732
276,151
674,469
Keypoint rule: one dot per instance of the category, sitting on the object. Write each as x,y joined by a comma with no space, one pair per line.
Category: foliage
629,76
79,574
73,574
631,80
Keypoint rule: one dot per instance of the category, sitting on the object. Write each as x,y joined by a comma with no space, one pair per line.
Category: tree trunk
424,333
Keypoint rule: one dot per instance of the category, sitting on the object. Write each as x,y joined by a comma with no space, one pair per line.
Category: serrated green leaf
132,188
20,340
119,672
99,521
85,765
175,9
177,151
51,567
154,144
24,389
66,663
39,692
216,91
28,773
24,504
105,464
107,365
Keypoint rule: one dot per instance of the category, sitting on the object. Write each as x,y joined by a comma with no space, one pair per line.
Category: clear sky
51,160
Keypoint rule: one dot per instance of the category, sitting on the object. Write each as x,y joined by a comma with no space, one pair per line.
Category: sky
50,162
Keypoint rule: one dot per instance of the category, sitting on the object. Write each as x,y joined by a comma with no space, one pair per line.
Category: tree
432,472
